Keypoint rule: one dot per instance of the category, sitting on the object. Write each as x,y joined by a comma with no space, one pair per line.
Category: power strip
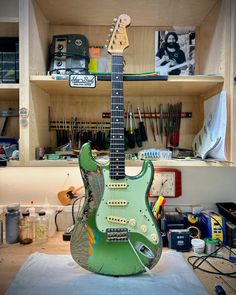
67,234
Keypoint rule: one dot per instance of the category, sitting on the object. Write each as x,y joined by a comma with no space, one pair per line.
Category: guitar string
117,127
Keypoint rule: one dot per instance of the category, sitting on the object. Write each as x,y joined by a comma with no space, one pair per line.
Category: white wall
204,186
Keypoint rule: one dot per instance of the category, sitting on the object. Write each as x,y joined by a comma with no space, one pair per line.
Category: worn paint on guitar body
89,245
115,233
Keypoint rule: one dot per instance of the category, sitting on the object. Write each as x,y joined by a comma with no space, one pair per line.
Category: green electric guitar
115,233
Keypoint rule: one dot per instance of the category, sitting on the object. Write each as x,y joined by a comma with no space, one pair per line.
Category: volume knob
133,222
143,228
154,237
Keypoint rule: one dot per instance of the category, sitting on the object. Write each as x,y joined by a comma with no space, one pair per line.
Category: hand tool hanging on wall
138,137
161,122
170,124
131,139
151,123
126,131
156,122
145,122
178,121
142,127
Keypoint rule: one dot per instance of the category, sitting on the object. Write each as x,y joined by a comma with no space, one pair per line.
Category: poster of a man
174,53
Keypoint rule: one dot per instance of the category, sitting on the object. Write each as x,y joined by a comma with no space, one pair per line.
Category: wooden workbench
13,256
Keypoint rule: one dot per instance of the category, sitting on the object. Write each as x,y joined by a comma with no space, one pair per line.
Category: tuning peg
111,29
115,19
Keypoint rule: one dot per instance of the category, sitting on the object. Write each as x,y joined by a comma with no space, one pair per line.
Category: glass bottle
41,227
26,229
32,216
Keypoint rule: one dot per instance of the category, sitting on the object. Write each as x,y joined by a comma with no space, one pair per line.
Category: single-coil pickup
116,219
117,203
117,185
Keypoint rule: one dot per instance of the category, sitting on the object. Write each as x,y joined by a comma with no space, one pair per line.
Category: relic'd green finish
89,247
115,232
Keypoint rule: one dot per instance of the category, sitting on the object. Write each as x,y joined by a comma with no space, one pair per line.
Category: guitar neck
117,147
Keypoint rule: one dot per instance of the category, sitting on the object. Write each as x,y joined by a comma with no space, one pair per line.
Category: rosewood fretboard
117,147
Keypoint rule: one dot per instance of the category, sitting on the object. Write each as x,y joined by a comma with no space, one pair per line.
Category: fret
113,173
117,147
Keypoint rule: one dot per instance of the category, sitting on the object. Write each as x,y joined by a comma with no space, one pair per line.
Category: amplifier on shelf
69,54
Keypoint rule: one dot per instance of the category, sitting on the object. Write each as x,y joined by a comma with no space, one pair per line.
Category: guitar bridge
117,235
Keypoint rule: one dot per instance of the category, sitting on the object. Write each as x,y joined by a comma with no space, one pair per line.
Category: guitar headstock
119,39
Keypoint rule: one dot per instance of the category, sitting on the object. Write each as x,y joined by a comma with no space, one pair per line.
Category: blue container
12,223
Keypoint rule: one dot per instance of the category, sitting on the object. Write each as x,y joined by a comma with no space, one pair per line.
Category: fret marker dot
116,107
120,136
117,77
117,92
117,159
117,120
113,136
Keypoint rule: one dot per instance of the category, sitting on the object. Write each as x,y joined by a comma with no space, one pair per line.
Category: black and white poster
175,52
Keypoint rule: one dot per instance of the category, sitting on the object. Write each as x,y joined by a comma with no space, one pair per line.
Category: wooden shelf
9,91
135,163
176,85
142,12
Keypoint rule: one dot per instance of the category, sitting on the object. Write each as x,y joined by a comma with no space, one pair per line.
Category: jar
41,227
26,229
12,218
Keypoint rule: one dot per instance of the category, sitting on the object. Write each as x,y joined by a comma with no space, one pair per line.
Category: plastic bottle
50,214
12,218
26,229
41,227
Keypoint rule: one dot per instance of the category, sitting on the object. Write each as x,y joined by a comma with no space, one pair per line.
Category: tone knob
154,237
143,228
133,222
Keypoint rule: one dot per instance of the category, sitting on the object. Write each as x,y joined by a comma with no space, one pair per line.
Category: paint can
198,246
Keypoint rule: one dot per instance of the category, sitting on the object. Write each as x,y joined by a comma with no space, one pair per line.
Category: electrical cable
73,207
57,212
204,258
135,252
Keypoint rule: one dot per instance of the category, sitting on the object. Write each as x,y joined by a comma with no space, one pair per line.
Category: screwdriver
138,137
142,127
126,131
131,138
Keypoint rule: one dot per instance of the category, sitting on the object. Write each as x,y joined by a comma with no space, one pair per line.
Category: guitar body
115,224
